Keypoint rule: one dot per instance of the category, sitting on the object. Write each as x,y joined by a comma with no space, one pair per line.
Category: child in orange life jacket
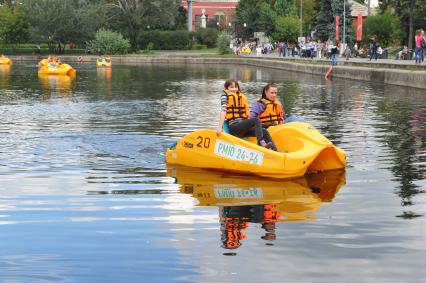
270,110
235,110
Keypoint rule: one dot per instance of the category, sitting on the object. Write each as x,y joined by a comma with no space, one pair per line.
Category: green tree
223,41
91,16
325,24
131,16
110,42
325,20
285,7
287,29
257,15
13,26
374,26
53,21
412,14
338,9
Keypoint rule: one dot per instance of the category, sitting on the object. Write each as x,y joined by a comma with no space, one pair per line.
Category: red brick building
220,12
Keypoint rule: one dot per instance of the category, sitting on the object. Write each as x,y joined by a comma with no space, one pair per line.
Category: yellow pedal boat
5,61
103,62
301,150
46,68
294,198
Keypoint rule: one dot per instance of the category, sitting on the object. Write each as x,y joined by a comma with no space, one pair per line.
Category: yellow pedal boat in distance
103,62
301,150
46,68
294,198
5,61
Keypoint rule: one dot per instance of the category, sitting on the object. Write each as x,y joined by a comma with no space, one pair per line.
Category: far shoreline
387,73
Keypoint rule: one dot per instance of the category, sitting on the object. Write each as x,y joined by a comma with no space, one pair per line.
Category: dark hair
229,82
266,88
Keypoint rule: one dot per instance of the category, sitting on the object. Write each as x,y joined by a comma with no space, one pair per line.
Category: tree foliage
110,42
131,16
412,14
287,29
223,41
13,27
53,21
285,8
325,20
325,24
374,26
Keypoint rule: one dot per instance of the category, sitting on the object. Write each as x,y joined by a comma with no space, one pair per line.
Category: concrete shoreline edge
379,74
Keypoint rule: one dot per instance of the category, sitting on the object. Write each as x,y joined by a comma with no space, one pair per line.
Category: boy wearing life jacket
235,110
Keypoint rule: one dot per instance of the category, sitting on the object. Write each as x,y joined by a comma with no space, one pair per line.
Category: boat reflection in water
104,80
243,199
55,84
4,74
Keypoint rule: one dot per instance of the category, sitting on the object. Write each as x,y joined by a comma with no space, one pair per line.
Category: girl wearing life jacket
235,110
270,110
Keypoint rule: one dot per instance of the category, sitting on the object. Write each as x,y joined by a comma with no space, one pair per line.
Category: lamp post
301,18
190,15
344,23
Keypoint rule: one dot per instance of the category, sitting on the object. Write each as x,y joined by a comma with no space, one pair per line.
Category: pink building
219,11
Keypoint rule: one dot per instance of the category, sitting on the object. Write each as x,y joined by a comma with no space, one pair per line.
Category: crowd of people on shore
331,49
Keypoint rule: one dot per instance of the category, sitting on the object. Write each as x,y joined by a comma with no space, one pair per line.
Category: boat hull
62,69
302,149
5,61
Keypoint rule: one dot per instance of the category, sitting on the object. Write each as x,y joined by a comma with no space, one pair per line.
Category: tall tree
325,24
53,21
374,26
411,12
258,16
325,20
131,16
338,9
13,26
285,7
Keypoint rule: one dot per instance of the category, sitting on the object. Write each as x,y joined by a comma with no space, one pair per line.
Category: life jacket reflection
273,114
237,106
235,219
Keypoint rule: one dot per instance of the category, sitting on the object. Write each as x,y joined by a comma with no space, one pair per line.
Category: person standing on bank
235,112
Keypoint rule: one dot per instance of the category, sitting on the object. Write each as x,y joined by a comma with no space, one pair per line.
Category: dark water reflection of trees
406,137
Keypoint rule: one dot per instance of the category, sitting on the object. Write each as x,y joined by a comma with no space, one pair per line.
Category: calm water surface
86,196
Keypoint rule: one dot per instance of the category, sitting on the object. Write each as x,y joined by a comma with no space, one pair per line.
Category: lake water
86,196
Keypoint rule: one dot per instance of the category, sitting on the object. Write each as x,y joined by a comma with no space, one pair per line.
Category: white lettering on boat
239,153
252,193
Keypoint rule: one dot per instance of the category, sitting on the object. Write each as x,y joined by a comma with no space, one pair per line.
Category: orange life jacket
237,106
270,214
273,114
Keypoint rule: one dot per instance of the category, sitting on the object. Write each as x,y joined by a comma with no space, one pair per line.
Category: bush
166,40
199,46
385,26
110,42
206,36
223,41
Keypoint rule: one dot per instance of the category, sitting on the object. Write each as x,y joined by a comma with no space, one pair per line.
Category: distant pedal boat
5,61
104,62
49,68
